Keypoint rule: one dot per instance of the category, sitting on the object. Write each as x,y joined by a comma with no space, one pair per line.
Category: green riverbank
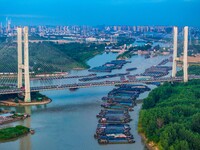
170,116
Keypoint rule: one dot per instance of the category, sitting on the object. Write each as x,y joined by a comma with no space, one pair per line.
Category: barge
114,120
117,106
113,140
131,69
125,126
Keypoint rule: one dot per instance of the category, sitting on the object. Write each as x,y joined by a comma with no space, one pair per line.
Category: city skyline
101,12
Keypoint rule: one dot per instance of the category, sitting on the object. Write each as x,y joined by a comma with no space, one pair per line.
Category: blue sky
101,12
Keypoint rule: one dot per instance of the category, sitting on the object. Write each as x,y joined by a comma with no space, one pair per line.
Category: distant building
91,39
1,28
115,28
8,25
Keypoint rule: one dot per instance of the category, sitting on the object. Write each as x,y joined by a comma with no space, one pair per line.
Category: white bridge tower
185,54
23,62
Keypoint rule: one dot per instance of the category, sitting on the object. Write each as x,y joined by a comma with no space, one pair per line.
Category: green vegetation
131,51
194,69
12,132
8,96
2,39
124,40
195,48
170,116
126,55
48,57
36,96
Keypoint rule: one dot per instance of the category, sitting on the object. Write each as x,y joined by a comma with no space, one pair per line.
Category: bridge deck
94,84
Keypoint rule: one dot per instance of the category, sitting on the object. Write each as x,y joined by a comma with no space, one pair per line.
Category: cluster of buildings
7,29
101,33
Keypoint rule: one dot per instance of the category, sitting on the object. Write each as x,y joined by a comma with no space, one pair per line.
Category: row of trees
194,69
170,116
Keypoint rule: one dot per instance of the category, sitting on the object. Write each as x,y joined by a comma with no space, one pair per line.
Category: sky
101,12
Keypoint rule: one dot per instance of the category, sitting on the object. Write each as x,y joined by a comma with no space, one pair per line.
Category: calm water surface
69,122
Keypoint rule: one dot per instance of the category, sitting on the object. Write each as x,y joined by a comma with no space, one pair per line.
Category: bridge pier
23,67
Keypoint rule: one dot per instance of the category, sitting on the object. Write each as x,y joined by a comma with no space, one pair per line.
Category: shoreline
149,145
9,103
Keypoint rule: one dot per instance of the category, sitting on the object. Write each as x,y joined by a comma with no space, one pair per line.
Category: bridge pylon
174,69
23,65
185,53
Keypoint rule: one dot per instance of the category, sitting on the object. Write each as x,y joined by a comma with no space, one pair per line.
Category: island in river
12,133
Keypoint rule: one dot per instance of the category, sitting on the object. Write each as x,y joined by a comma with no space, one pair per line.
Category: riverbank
176,112
12,103
149,145
13,133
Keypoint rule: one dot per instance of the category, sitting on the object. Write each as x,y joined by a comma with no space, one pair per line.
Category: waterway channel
69,122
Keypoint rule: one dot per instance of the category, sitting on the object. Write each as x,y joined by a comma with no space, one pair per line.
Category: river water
69,122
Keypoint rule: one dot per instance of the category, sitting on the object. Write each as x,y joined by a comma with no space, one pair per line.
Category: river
69,122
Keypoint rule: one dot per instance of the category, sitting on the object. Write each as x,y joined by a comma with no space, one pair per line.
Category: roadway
95,84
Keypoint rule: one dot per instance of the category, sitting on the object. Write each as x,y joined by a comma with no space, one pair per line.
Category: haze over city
101,12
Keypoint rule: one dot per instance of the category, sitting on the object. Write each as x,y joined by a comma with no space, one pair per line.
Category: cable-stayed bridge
15,81
95,84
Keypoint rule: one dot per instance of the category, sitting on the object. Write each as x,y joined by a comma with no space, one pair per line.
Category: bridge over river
23,75
95,84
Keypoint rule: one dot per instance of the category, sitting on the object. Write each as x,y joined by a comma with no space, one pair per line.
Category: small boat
32,131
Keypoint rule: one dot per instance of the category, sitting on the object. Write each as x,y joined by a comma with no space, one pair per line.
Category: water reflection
25,142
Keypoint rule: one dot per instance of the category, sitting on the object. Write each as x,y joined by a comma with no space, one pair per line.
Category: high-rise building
8,25
119,28
115,28
134,29
1,28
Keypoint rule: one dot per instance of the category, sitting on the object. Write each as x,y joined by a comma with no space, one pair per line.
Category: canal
69,122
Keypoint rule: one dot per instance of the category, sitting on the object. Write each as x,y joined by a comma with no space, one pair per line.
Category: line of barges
113,127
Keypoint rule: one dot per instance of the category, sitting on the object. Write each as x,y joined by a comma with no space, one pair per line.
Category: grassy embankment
170,116
48,57
13,132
